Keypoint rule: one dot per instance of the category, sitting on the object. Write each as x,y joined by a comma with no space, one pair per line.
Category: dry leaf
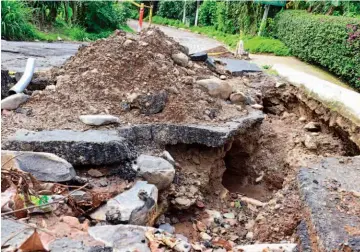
222,243
33,243
19,204
201,226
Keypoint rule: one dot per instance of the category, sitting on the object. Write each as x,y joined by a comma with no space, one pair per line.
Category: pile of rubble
128,79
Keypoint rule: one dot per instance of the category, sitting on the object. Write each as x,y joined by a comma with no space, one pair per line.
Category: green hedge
330,41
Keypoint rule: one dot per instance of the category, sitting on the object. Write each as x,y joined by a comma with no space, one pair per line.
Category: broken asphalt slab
93,147
103,147
327,189
209,135
238,67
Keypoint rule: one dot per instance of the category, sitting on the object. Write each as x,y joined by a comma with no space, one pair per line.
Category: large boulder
92,147
155,170
97,120
43,166
215,87
129,205
14,101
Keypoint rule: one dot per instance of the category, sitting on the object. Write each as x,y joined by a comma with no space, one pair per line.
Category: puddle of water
261,60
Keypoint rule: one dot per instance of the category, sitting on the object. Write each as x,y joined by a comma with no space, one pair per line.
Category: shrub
15,21
104,15
207,13
330,41
266,45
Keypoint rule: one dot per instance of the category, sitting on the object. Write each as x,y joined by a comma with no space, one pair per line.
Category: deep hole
240,176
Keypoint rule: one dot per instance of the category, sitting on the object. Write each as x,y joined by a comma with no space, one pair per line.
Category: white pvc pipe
25,78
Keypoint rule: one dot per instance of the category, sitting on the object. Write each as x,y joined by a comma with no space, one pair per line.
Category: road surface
15,54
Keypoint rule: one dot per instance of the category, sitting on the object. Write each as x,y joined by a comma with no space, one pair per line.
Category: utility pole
197,12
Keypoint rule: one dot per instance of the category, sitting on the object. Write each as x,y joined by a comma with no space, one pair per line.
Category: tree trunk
184,12
74,11
66,11
197,12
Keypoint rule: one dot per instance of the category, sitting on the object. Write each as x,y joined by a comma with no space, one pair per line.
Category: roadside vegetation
325,33
62,20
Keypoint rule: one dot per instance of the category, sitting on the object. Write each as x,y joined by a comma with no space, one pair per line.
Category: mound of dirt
109,74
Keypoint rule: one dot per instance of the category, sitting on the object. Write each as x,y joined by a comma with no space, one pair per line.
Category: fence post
141,15
263,21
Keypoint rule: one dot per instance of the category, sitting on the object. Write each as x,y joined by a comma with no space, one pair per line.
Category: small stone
155,170
250,224
257,106
356,194
97,120
250,235
103,183
51,88
127,43
302,119
167,227
310,143
280,84
229,215
200,204
313,127
222,77
95,173
14,101
233,237
167,156
182,203
205,236
180,59
238,98
174,220
172,90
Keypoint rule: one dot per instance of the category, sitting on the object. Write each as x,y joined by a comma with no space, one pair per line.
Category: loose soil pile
102,77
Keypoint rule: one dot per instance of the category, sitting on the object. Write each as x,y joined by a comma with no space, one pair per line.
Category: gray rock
180,59
215,87
313,127
92,147
167,227
155,170
304,237
166,155
127,202
14,101
67,244
328,215
122,238
10,228
184,49
182,203
97,120
212,136
152,103
43,166
310,142
238,98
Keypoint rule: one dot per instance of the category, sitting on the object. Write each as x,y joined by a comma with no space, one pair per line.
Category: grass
75,33
252,44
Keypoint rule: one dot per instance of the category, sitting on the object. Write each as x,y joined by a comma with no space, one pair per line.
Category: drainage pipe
25,78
